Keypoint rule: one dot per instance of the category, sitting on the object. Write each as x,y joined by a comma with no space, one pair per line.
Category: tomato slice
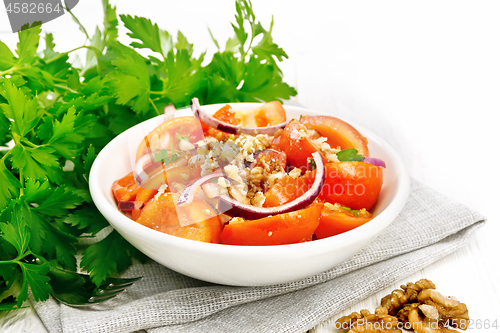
226,115
168,134
336,219
297,147
338,132
285,190
352,184
125,189
145,194
269,114
165,216
287,228
178,171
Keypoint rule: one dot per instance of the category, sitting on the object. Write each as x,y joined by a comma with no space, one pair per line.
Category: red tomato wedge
126,189
163,215
287,228
269,114
226,115
165,135
297,148
177,171
338,132
285,190
352,184
336,220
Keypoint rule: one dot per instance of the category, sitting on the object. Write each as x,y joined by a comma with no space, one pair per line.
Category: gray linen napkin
430,227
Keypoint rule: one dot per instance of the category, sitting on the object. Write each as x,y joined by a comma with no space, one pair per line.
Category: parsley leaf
23,113
17,234
150,36
46,239
28,42
7,58
65,140
164,156
60,200
349,154
183,76
35,276
10,186
110,32
239,29
106,257
36,163
262,83
130,80
57,114
267,49
85,219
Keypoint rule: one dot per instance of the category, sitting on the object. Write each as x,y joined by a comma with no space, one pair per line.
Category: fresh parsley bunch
57,116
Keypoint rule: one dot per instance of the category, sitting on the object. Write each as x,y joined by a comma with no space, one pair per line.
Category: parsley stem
9,71
21,180
31,144
249,47
82,28
66,88
157,92
4,157
154,106
96,50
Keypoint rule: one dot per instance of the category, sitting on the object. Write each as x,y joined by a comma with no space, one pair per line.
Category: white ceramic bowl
243,265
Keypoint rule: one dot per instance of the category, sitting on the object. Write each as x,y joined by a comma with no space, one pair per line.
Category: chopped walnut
407,294
366,322
450,311
402,314
420,323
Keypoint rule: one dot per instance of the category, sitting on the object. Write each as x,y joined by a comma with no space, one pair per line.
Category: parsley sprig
56,116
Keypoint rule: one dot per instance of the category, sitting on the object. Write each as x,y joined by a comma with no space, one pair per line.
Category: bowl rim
367,230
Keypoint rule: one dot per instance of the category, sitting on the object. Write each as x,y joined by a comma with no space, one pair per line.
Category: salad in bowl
251,177
248,193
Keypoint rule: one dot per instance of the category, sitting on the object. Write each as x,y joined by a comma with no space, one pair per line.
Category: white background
425,76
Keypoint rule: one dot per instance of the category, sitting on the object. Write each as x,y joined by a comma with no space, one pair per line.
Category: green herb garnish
312,163
349,154
180,137
165,157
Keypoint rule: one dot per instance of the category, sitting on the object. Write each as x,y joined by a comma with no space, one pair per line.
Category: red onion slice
130,205
374,161
187,195
140,174
228,128
250,212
